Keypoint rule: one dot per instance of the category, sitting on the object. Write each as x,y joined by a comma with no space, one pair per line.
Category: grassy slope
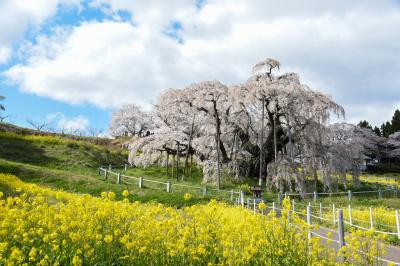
72,165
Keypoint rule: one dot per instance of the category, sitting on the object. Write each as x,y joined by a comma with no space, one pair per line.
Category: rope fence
338,221
120,178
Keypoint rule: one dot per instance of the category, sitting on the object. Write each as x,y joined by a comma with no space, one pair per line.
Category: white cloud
69,124
347,49
17,16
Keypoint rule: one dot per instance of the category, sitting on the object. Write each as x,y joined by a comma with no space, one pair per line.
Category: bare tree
94,132
38,125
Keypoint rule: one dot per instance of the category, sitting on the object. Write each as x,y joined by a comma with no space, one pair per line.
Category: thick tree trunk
173,165
191,165
189,143
261,172
167,163
177,160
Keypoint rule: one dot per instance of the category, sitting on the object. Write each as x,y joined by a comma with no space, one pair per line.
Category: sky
72,62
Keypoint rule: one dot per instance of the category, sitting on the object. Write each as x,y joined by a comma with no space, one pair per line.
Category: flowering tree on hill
271,126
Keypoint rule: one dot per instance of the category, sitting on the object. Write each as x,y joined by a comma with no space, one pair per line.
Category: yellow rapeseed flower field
42,226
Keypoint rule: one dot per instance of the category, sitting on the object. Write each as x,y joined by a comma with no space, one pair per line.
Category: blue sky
21,106
83,59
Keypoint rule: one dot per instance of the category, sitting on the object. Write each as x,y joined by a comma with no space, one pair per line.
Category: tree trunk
177,160
189,143
261,145
191,165
275,145
173,165
167,163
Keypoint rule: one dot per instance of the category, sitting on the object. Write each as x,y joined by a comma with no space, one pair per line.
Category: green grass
56,152
72,165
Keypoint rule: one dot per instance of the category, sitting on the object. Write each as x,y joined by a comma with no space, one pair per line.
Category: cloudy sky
74,61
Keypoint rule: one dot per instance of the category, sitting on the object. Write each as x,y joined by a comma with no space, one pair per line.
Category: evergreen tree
386,129
364,124
395,122
377,131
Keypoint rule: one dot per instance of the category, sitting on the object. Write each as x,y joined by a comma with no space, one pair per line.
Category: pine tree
377,131
395,122
364,124
386,129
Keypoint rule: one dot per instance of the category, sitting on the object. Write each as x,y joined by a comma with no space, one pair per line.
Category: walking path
392,253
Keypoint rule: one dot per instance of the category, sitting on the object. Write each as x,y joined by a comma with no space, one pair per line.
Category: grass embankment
72,165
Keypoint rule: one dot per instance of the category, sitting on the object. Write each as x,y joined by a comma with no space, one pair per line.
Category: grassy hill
72,164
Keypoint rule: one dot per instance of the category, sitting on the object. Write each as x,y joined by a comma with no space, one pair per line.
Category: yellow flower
76,261
108,239
111,195
187,197
262,205
125,193
32,254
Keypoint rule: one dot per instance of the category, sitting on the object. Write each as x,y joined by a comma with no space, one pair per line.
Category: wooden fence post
254,206
380,193
309,221
350,216
397,223
242,198
204,191
315,195
119,178
126,167
341,228
334,214
109,167
371,220
140,182
350,194
293,207
320,211
169,186
280,196
273,206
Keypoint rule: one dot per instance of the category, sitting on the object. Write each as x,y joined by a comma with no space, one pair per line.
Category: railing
167,186
338,220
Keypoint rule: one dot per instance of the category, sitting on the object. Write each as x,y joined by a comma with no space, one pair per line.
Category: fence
310,217
168,186
390,191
